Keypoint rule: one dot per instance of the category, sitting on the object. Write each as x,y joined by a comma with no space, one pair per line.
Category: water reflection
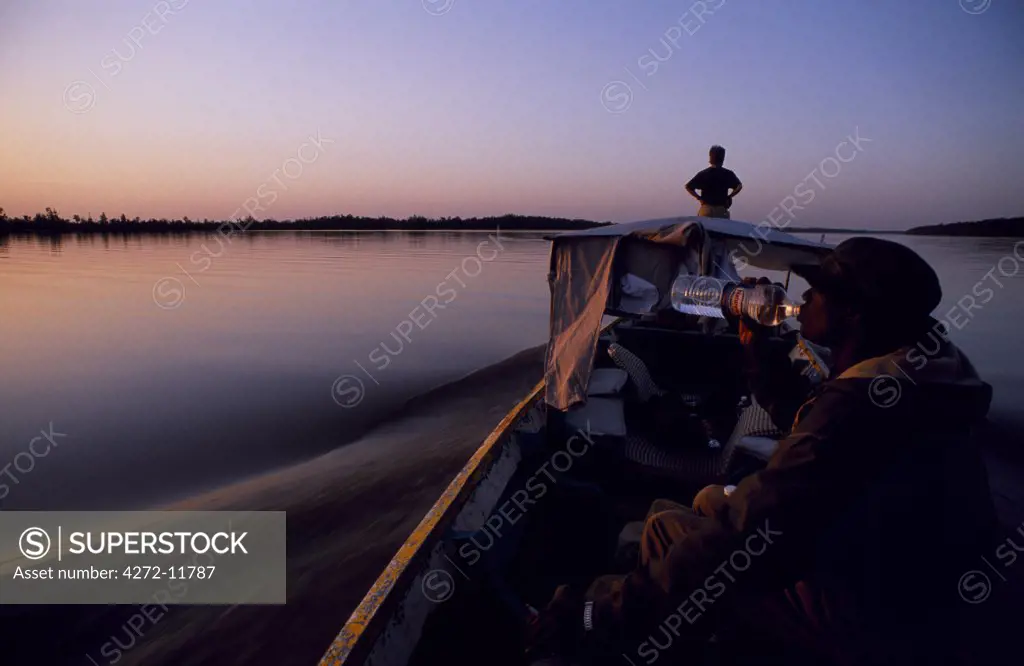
237,379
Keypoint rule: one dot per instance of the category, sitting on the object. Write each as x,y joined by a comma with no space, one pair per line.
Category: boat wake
348,512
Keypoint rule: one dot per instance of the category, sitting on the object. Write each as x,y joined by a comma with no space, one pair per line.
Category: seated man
850,543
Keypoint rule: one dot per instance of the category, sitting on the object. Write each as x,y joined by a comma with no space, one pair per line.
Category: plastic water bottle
767,304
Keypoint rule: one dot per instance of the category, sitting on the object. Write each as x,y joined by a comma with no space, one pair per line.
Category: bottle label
735,301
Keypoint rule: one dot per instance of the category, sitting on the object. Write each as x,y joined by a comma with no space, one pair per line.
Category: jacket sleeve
758,542
776,384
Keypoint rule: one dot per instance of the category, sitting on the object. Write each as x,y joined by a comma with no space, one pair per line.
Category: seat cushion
598,416
759,447
607,381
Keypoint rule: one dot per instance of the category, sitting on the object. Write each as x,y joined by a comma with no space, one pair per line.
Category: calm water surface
171,371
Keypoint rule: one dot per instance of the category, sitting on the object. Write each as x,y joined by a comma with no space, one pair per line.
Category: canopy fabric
761,245
587,266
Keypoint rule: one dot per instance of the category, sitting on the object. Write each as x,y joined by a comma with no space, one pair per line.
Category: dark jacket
873,506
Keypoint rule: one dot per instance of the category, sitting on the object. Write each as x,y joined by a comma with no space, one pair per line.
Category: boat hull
387,625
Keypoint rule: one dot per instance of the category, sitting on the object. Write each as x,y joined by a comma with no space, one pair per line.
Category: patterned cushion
697,465
756,422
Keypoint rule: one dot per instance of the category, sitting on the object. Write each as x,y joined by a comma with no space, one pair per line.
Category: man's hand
710,500
747,328
557,628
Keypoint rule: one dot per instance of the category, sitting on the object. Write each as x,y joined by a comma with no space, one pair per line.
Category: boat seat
607,381
759,447
604,412
699,465
598,416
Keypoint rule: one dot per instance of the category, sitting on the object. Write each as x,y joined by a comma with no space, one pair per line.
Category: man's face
821,321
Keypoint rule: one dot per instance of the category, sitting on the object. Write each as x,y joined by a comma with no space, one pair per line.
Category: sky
845,113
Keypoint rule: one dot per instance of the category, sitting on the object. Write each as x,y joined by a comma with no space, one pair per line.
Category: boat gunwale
366,621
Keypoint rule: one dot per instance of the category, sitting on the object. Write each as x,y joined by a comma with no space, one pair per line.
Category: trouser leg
660,505
667,524
646,627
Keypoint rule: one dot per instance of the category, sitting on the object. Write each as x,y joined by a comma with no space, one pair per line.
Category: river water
139,372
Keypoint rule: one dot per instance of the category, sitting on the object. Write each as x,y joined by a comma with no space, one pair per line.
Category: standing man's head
717,156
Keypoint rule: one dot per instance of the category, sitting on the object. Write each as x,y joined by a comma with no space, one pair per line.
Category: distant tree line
50,222
839,230
1012,227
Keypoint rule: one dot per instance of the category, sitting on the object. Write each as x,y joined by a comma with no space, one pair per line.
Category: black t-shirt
713,184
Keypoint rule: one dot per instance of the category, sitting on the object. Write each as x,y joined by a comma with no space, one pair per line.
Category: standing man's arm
736,186
692,186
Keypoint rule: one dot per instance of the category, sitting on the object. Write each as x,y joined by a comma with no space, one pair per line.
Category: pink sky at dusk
491,108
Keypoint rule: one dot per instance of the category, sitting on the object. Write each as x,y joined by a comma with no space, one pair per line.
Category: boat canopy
623,269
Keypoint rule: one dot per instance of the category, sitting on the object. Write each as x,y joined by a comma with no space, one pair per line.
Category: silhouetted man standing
714,184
